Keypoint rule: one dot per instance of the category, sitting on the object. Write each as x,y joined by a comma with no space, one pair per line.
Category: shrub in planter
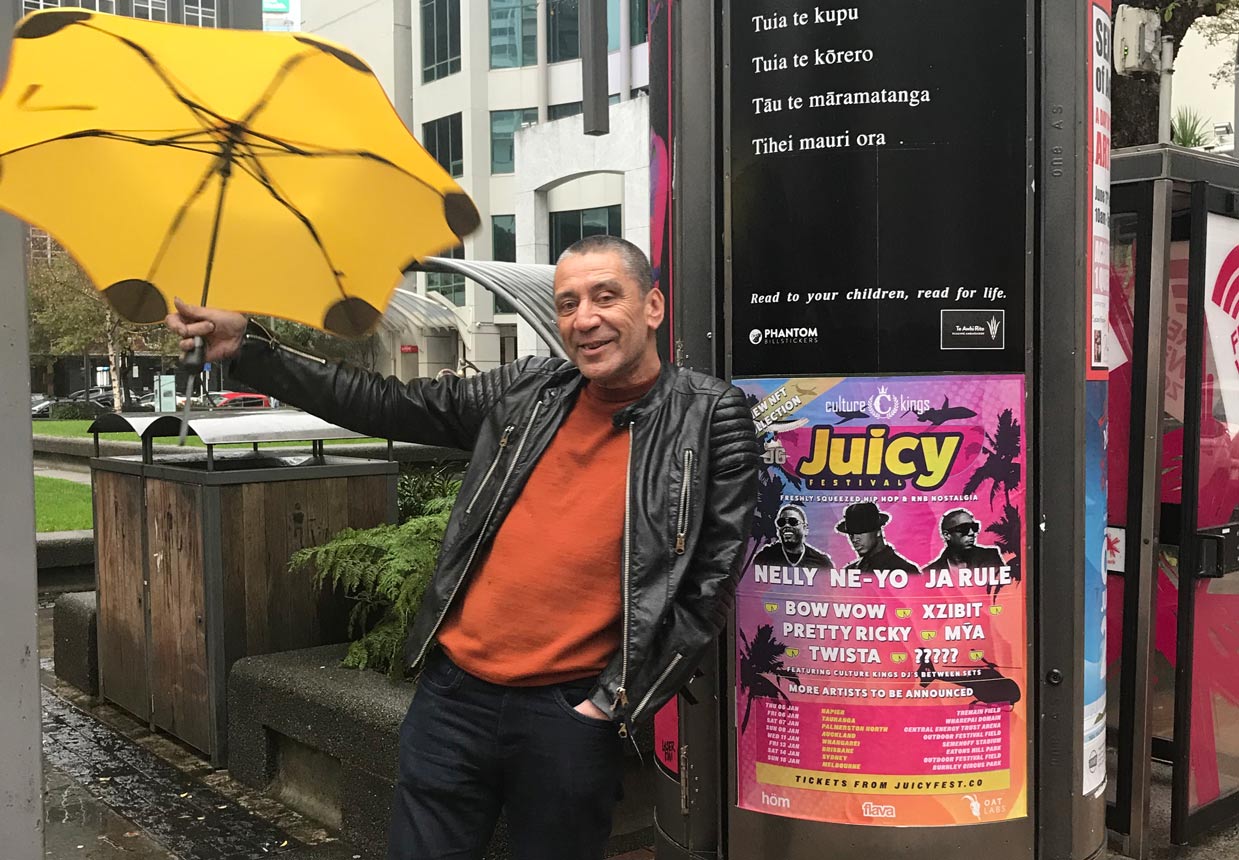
385,570
419,484
75,410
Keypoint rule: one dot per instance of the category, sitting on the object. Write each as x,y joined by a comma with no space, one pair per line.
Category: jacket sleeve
446,412
706,595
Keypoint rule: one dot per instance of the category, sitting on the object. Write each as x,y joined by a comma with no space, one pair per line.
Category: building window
201,14
503,249
503,125
564,110
639,23
442,139
568,109
451,287
568,227
513,33
151,10
563,40
108,6
440,39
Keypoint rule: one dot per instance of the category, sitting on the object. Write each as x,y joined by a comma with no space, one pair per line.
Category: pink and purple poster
881,631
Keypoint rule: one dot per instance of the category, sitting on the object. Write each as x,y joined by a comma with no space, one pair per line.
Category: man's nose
586,316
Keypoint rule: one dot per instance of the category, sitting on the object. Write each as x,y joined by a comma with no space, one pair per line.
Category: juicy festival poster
881,634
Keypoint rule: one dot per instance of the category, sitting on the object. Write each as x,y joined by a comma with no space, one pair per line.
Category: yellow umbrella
264,172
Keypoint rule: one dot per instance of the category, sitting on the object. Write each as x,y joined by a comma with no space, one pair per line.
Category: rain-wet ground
114,790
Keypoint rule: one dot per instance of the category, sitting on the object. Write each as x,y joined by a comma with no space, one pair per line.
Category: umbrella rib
292,148
177,220
111,135
277,79
196,109
254,169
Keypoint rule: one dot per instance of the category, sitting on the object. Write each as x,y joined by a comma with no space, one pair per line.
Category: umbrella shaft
225,175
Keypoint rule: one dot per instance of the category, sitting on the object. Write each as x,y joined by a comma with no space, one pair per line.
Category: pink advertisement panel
881,632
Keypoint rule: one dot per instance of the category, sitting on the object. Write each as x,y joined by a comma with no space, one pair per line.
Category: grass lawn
61,505
45,427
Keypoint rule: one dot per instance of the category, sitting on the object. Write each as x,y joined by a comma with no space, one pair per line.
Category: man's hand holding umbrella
222,331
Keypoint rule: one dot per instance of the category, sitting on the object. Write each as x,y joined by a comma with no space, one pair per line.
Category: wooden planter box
192,573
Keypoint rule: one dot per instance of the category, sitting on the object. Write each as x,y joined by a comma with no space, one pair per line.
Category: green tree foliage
1135,104
362,352
385,571
68,316
1221,29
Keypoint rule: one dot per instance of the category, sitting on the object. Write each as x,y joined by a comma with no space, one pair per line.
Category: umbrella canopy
262,172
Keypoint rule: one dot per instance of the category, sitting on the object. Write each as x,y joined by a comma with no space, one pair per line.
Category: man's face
864,542
960,531
791,526
604,320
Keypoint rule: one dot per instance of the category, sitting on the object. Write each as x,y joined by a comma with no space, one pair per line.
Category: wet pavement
114,790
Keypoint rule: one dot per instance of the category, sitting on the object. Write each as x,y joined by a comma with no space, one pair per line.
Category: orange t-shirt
544,605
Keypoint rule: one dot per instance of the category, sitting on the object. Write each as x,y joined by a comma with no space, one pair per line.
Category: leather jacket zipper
621,693
686,496
481,532
503,443
675,661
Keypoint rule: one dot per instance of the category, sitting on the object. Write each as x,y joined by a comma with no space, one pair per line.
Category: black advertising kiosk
889,225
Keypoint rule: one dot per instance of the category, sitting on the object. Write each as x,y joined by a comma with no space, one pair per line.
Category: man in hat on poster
792,549
862,522
959,533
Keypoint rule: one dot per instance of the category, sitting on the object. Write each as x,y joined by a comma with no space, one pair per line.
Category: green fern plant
385,571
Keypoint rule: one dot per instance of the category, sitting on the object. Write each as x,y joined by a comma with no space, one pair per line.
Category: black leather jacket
692,487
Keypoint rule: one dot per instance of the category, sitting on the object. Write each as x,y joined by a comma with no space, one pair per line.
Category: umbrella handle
193,361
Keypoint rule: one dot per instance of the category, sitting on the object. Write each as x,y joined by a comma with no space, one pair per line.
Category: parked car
43,408
242,400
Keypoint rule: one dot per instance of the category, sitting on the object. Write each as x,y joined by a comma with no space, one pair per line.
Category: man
574,593
862,522
959,534
792,549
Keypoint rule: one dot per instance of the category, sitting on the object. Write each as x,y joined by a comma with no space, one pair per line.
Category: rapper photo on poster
881,635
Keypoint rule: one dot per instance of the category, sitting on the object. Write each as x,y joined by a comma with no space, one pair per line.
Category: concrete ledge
65,560
76,451
75,648
325,740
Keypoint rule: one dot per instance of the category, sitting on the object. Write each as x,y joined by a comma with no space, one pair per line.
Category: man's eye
566,308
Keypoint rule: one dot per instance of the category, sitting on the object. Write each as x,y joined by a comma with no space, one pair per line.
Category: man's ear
655,307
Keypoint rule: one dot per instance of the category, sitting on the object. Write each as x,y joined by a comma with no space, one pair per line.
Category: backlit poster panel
881,632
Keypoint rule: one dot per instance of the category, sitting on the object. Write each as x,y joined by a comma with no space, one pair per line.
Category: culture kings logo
782,336
882,404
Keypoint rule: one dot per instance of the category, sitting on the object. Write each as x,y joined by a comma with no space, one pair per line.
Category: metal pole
593,35
1163,107
21,771
402,59
625,50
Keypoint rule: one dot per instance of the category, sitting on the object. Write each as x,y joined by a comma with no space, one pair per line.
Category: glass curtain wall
513,33
440,39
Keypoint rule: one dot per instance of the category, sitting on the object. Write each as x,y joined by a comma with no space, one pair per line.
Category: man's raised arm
446,412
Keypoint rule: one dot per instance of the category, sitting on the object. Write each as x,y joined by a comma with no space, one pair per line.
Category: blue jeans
469,748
